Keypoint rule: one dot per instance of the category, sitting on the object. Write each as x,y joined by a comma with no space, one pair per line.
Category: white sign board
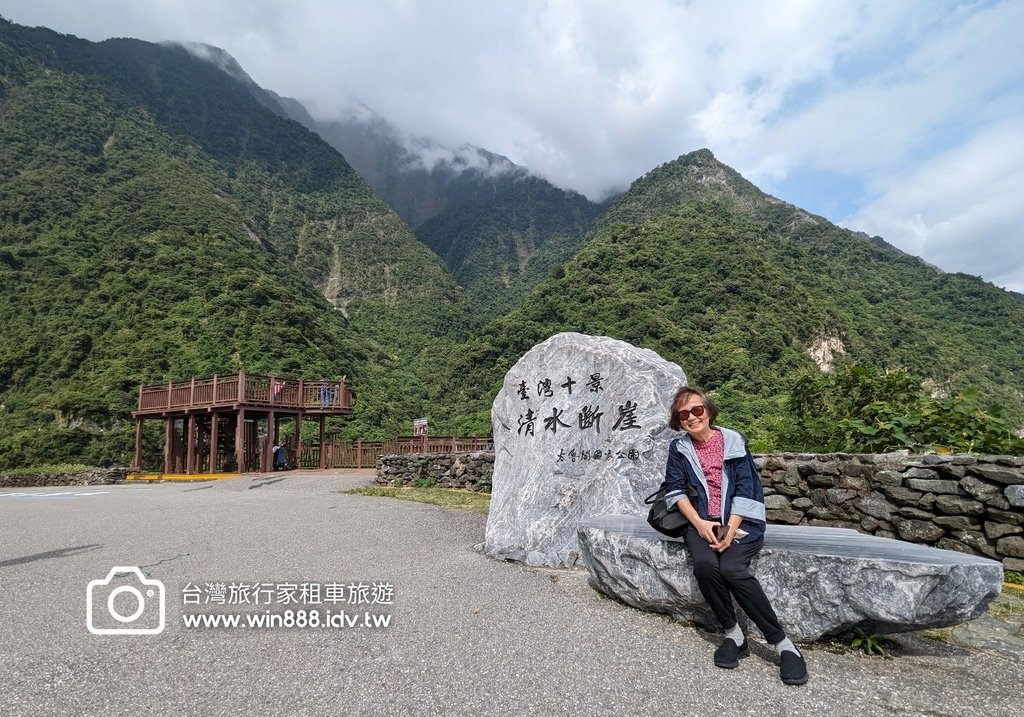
419,426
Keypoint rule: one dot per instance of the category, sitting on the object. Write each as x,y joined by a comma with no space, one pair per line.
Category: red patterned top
711,454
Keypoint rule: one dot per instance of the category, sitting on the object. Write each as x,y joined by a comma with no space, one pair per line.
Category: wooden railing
364,454
247,389
402,445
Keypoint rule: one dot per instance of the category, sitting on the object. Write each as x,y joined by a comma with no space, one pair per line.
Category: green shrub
484,484
50,468
860,409
869,644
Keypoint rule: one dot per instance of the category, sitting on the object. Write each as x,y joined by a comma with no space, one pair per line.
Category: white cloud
960,211
885,119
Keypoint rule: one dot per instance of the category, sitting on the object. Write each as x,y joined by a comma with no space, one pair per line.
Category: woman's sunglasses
697,411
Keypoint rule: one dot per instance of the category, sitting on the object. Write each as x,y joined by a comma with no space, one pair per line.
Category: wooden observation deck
202,395
203,414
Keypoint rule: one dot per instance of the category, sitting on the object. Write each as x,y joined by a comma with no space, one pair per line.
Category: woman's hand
725,542
733,527
706,530
704,527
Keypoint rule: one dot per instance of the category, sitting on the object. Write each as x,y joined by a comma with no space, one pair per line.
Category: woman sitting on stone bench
712,480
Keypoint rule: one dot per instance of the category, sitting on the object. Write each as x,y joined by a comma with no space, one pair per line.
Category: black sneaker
729,653
794,669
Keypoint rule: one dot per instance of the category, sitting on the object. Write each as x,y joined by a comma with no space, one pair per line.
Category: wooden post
141,386
268,453
271,396
214,428
241,386
359,453
192,392
168,440
214,390
190,446
323,446
137,465
298,437
240,440
170,390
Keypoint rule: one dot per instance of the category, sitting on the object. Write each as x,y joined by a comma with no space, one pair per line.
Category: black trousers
723,576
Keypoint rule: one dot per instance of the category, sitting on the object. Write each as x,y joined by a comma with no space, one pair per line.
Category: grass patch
1009,603
49,468
939,634
444,497
1012,576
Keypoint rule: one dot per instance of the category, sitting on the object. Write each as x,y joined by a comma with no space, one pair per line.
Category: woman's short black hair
683,395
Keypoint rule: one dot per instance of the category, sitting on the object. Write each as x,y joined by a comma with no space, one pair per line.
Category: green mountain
498,228
745,292
161,216
158,221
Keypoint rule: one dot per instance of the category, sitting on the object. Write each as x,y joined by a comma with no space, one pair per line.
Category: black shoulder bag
668,521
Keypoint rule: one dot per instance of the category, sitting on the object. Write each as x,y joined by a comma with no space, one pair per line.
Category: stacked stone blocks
469,471
98,476
972,504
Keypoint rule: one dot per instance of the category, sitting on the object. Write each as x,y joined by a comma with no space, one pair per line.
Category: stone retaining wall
974,504
98,476
471,471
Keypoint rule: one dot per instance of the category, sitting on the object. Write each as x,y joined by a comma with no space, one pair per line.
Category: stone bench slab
821,581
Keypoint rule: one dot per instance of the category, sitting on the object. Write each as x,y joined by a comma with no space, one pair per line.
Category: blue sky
900,118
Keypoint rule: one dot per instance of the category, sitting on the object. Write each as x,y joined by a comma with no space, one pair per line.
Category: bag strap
653,497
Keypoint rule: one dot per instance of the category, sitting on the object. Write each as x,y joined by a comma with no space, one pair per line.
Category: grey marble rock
903,496
919,474
1015,495
876,506
998,530
957,522
955,505
821,581
925,485
916,530
1012,546
1006,476
580,429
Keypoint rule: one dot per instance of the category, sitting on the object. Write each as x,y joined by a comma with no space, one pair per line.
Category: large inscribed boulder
580,429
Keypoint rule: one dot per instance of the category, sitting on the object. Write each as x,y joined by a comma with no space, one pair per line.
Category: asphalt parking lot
468,635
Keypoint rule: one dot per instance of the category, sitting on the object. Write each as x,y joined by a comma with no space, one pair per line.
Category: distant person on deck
712,480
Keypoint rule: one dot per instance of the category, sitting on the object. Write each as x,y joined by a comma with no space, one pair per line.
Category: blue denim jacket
741,483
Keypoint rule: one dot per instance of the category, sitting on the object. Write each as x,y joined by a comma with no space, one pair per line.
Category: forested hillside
157,222
738,288
498,228
161,217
